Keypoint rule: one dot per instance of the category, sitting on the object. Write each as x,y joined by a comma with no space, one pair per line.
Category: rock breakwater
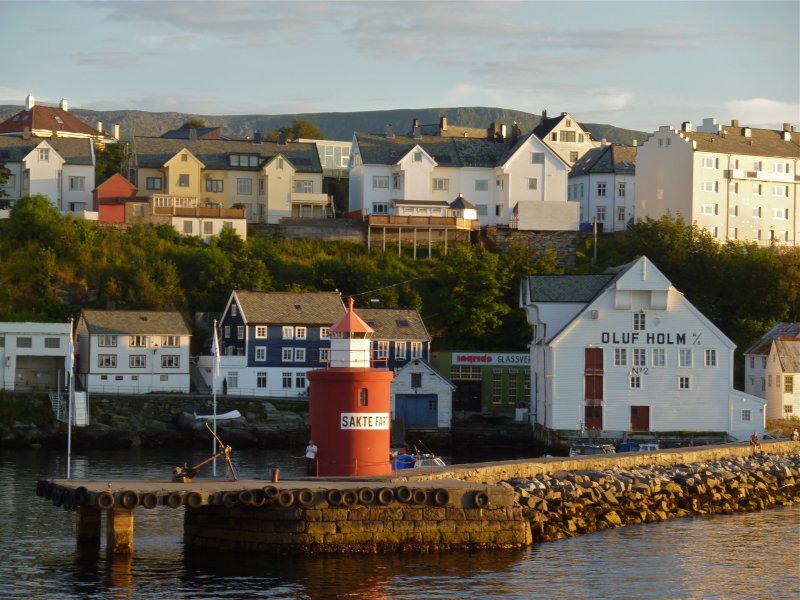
570,503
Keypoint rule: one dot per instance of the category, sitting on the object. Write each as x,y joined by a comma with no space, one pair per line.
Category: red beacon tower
350,404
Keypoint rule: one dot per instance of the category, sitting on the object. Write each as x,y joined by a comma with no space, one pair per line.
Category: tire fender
419,496
349,498
174,499
334,497
305,498
285,499
129,499
385,496
441,497
481,499
366,495
149,500
105,500
403,494
194,499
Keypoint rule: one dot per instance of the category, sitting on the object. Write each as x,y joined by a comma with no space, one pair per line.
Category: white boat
221,416
428,460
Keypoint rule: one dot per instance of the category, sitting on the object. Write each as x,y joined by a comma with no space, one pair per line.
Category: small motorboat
221,416
428,460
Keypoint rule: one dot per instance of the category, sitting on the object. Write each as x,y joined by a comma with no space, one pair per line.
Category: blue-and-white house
624,351
270,340
133,351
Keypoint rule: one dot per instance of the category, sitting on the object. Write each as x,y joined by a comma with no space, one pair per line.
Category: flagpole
70,363
215,352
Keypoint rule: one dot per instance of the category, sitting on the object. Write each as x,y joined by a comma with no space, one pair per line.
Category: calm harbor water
753,555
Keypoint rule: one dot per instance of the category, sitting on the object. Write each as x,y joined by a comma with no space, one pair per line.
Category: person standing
755,445
311,458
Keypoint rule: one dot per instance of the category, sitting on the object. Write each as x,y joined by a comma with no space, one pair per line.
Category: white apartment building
772,370
133,351
517,181
624,351
603,181
736,182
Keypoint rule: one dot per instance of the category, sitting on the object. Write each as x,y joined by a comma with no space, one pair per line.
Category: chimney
515,132
192,134
417,133
635,143
734,122
390,131
63,105
29,102
787,135
116,132
443,124
503,133
686,126
544,114
375,302
257,137
100,126
787,127
415,124
282,138
26,132
746,132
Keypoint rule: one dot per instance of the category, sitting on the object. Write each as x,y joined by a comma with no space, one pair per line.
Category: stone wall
564,243
362,520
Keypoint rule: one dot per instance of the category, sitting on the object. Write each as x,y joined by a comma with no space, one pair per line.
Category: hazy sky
632,64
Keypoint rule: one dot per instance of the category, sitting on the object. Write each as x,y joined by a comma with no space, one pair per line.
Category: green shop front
489,383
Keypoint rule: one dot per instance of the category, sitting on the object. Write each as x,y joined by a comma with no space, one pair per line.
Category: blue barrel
403,461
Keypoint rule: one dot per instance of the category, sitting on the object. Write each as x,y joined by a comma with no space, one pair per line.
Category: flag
70,355
215,351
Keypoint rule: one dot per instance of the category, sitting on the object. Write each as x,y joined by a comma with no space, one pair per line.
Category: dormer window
418,156
44,154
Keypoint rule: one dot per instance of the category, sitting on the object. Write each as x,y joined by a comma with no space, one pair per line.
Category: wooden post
119,531
87,527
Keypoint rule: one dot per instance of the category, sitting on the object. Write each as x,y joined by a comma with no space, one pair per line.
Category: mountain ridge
333,125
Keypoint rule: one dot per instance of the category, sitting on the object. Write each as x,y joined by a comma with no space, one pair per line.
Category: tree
110,159
301,128
194,123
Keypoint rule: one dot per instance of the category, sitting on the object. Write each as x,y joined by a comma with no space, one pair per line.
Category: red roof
351,322
47,118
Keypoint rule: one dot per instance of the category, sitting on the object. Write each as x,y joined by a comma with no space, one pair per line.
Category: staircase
60,406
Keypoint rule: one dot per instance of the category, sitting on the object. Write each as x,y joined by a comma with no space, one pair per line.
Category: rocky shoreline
570,503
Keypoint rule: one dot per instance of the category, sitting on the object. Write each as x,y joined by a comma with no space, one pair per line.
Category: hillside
334,126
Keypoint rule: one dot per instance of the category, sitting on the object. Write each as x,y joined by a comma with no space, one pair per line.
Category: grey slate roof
395,323
788,350
461,203
135,322
764,343
566,288
153,152
765,142
291,308
446,151
607,159
76,151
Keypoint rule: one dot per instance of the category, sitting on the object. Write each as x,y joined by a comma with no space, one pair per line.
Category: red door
593,388
640,418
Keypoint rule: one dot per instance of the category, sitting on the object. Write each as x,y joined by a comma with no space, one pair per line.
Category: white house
772,370
625,351
513,181
736,182
565,136
421,396
34,356
604,182
133,351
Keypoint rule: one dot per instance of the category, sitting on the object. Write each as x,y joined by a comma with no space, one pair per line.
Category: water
752,555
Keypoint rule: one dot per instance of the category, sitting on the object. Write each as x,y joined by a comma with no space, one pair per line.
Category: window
380,208
44,154
299,355
600,213
363,397
324,333
107,361
416,349
170,361
757,212
685,357
620,357
214,185
261,332
683,383
380,181
639,357
620,213
240,332
24,342
573,157
400,350
244,187
261,353
710,186
153,183
639,321
709,209
513,386
286,380
383,349
441,185
183,181
481,185
497,386
287,354
304,186
137,361
537,158
288,332
280,164
746,414
781,167
261,379
758,165
418,156
780,214
733,187
465,373
659,357
787,409
324,355
621,189
52,342
226,331
763,362
137,341
107,340
482,210
187,227
788,384
733,210
416,380
567,136
757,189
752,362
710,359
533,183
710,163
77,183
601,189
300,333
781,191
208,227
635,382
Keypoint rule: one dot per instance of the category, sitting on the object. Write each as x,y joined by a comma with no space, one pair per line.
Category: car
587,449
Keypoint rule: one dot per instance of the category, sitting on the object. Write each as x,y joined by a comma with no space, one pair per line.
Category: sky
637,65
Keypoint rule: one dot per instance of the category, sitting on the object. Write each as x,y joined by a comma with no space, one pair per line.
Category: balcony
204,212
306,198
411,221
